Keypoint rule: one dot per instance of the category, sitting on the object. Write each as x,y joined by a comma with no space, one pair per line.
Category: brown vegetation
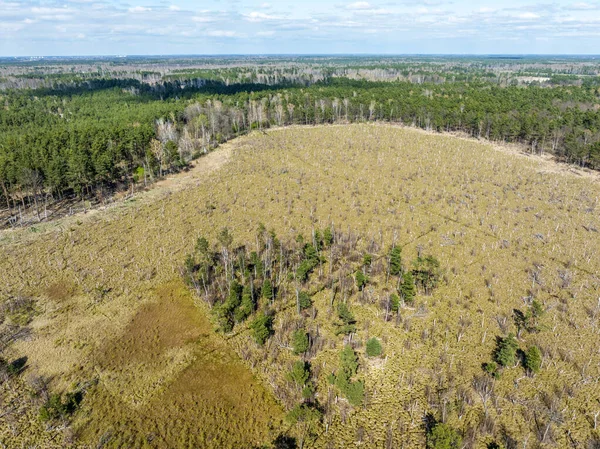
504,229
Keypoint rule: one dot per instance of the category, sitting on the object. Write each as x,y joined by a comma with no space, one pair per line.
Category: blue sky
108,27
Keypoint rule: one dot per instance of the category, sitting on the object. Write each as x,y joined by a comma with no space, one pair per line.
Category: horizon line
213,55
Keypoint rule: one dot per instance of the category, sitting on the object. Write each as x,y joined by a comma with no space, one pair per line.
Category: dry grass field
112,313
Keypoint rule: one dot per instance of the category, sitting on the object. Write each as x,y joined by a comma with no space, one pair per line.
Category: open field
111,309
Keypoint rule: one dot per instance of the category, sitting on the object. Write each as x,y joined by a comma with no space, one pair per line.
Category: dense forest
91,137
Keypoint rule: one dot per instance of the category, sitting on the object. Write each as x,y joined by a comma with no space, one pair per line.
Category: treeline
79,144
562,121
84,137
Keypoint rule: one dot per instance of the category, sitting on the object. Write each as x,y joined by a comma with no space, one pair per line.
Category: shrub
299,373
300,341
262,328
361,280
442,436
20,310
373,347
58,406
304,301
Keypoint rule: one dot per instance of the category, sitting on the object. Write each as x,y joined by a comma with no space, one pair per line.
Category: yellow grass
491,217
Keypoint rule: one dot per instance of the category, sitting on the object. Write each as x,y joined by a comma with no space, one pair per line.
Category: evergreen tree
374,347
361,280
395,261
492,369
348,361
347,318
300,373
533,359
300,341
355,393
426,273
246,307
267,290
353,390
394,302
304,301
442,436
262,328
327,237
408,290
202,246
306,419
506,350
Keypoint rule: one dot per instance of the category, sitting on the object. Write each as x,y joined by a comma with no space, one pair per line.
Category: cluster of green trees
249,286
425,276
353,390
508,353
60,406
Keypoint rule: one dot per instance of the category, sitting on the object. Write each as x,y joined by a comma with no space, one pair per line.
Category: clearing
111,308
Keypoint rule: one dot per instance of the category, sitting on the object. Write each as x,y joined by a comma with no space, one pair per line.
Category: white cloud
222,33
255,16
105,22
582,6
201,19
359,6
527,16
138,9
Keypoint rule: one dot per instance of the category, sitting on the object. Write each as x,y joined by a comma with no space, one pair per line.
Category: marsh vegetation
500,351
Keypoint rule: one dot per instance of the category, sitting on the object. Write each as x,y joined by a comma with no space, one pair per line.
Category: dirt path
200,168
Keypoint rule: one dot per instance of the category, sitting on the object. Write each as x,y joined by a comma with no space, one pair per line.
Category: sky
152,27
